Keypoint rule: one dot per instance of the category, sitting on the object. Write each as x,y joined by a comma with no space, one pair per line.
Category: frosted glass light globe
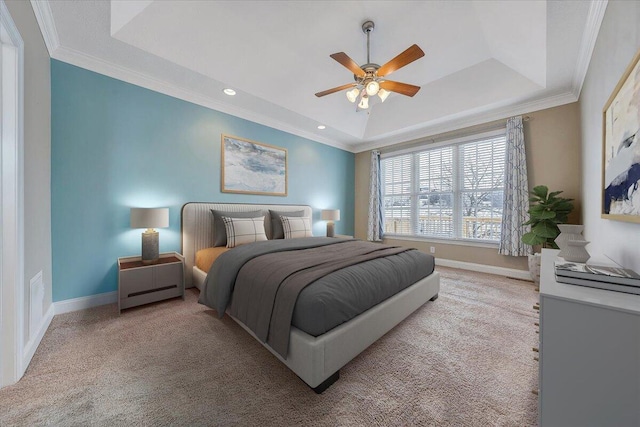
372,88
352,94
383,94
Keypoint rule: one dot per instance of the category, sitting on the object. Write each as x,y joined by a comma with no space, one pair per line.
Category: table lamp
330,215
150,218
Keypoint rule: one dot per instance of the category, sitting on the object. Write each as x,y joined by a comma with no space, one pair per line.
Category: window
449,191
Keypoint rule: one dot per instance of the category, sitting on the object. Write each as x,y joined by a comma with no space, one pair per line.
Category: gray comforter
220,281
343,293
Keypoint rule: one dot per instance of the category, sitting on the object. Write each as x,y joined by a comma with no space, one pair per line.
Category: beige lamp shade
330,215
149,217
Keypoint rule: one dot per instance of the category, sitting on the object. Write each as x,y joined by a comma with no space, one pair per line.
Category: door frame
12,197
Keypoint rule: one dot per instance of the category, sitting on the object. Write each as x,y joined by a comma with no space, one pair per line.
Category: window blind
450,191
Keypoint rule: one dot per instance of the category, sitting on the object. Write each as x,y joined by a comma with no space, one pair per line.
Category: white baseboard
81,303
31,347
501,271
60,307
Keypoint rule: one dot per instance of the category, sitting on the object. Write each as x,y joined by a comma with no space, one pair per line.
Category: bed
315,358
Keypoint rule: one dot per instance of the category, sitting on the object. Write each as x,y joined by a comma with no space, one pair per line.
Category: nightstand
142,284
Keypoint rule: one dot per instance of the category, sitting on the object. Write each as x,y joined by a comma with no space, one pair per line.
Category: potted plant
546,211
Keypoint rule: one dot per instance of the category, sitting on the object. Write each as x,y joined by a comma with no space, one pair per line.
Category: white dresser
589,354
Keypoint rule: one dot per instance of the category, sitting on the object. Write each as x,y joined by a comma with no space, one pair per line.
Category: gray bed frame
316,360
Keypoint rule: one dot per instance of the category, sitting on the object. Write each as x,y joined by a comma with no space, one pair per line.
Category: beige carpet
464,359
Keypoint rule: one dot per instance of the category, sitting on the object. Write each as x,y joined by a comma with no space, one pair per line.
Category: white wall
37,153
618,42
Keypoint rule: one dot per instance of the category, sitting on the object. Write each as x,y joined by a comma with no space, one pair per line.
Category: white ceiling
484,60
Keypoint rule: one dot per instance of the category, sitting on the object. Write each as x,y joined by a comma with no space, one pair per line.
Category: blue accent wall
115,146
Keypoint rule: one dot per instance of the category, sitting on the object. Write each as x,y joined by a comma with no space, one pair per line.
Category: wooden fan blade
406,57
403,88
335,89
344,59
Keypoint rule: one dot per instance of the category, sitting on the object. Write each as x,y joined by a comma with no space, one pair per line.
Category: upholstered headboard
197,226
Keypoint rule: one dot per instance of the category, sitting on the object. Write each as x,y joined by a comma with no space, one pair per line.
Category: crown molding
595,16
10,27
464,119
137,78
44,16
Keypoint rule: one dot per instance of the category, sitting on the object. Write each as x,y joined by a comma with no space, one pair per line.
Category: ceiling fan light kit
369,77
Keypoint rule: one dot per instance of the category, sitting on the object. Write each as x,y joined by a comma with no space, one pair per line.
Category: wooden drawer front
135,280
168,275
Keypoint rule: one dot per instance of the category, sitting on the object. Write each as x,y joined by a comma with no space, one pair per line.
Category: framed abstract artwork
621,148
250,167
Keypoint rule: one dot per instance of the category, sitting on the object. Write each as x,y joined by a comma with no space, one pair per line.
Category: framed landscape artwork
621,148
249,167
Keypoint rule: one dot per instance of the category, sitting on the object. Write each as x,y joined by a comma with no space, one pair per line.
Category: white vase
534,267
568,232
576,251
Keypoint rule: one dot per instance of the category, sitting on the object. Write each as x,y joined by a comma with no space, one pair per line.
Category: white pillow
244,230
296,227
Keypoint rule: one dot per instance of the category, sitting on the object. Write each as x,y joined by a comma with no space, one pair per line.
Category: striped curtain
516,192
375,226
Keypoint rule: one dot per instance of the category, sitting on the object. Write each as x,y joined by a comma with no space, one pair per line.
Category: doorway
12,198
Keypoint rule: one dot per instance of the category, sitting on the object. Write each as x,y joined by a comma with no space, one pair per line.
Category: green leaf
536,208
554,194
564,206
546,230
540,191
532,239
546,214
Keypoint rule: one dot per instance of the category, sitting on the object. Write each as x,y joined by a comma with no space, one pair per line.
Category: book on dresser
595,276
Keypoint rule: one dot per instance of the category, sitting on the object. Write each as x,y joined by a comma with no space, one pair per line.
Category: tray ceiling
484,60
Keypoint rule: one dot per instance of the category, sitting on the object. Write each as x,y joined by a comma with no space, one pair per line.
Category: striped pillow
244,230
296,227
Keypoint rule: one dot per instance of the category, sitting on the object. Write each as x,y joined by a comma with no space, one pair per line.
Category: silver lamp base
331,229
150,247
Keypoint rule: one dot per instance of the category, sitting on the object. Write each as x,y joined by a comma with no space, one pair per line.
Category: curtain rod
486,127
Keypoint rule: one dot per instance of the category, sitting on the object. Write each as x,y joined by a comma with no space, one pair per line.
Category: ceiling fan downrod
368,82
369,68
367,27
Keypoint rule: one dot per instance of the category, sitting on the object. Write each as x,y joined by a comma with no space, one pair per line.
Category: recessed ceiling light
321,127
229,92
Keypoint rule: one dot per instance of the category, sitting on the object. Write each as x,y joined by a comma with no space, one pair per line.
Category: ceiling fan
369,78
